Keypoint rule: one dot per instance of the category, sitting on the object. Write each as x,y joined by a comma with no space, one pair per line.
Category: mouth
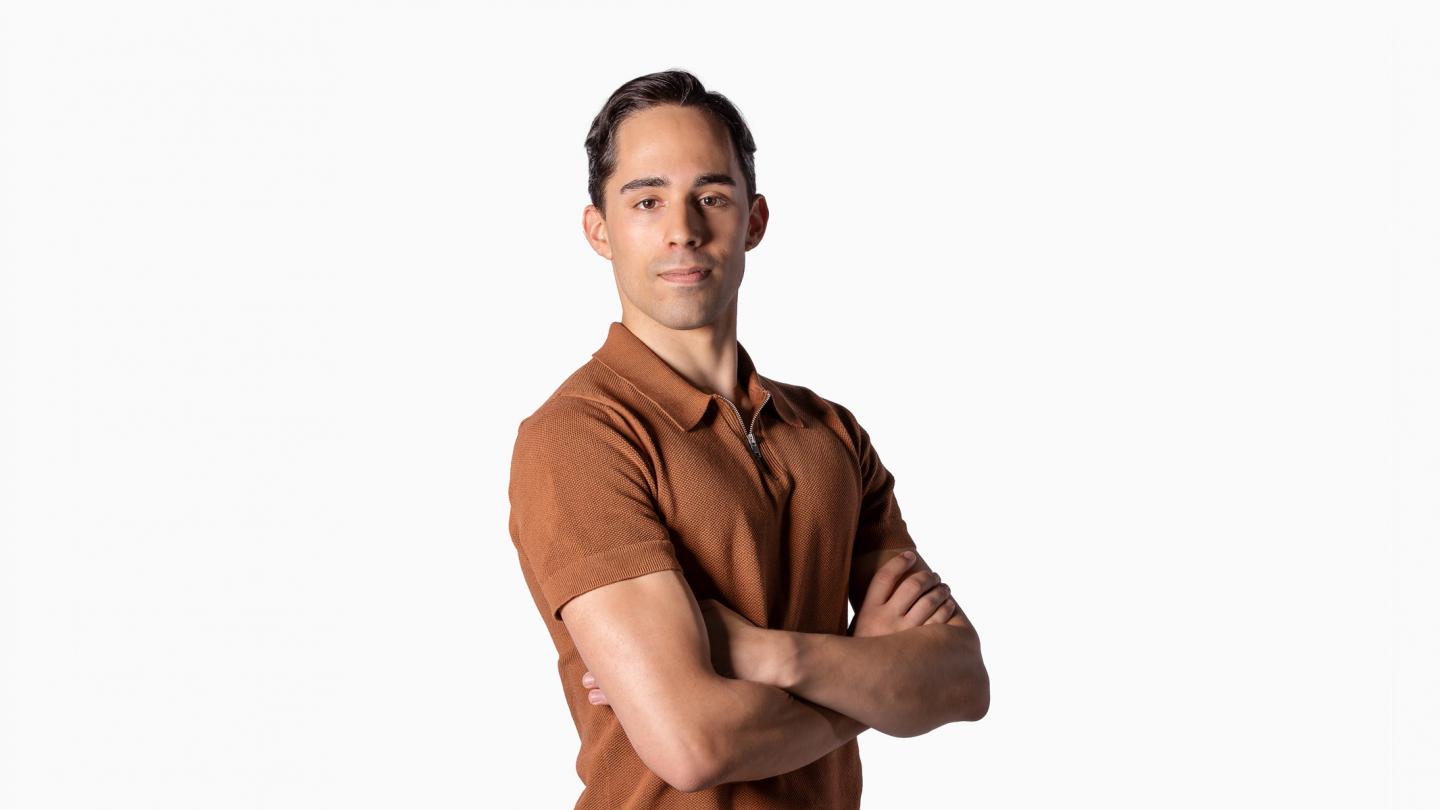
686,275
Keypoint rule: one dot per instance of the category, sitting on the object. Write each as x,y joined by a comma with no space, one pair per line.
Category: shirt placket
749,434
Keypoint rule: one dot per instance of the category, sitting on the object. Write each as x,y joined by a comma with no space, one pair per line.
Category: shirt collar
627,355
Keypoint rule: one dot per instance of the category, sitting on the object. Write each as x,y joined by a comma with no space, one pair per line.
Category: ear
593,223
759,218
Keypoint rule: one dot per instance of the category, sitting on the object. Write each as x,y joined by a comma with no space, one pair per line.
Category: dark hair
651,90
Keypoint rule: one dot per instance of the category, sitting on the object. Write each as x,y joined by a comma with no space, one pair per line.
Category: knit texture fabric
627,469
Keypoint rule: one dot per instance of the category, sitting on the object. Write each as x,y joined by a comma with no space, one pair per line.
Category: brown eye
646,200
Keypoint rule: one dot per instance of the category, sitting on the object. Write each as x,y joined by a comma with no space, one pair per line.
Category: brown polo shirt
627,469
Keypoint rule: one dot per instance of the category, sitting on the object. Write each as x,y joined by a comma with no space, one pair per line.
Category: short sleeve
880,525
582,512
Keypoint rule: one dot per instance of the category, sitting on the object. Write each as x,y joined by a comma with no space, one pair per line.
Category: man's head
672,186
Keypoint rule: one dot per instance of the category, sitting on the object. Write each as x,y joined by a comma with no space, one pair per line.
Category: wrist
785,659
765,656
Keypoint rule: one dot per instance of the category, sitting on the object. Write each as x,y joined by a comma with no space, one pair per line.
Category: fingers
945,612
917,583
594,694
928,602
882,585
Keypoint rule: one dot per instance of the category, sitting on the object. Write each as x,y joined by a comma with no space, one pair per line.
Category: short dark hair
652,90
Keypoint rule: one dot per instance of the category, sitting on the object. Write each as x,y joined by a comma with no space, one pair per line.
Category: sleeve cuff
602,568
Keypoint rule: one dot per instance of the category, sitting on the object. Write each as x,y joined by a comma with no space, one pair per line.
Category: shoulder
821,411
587,401
584,419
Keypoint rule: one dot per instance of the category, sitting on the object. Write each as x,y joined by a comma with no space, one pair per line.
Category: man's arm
645,638
903,684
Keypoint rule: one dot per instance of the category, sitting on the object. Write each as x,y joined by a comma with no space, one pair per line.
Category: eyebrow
720,179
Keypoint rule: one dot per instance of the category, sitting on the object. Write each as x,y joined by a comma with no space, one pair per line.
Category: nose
687,226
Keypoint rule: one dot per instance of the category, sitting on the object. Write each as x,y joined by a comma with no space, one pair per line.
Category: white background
1136,300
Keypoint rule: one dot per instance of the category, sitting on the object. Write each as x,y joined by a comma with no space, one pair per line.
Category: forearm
903,684
758,730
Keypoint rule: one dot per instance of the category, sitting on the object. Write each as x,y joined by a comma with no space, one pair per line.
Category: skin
903,684
704,696
649,230
896,599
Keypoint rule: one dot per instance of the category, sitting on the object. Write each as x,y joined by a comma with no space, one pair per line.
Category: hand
921,598
736,649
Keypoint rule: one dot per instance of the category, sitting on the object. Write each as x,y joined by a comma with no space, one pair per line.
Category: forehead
670,138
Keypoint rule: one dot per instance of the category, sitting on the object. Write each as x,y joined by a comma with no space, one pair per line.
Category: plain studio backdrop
1131,297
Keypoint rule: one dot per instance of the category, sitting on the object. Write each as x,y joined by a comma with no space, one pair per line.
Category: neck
706,356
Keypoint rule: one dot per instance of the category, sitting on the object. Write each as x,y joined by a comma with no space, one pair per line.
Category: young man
690,530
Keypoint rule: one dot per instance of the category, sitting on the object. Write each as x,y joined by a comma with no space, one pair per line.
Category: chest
768,529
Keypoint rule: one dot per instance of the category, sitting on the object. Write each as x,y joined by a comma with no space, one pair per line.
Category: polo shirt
627,469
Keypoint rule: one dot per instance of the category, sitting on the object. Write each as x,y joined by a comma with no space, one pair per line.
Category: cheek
632,239
622,246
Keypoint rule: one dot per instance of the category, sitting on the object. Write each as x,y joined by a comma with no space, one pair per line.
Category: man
690,530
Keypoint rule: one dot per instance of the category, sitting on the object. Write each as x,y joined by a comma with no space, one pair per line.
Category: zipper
750,435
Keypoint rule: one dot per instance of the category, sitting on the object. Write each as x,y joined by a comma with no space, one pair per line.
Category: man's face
676,201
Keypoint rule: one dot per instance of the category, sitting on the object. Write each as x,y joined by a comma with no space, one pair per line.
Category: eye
641,204
719,200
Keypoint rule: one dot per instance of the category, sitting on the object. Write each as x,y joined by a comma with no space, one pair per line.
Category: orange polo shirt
627,469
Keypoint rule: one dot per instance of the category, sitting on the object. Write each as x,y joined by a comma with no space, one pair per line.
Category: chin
682,317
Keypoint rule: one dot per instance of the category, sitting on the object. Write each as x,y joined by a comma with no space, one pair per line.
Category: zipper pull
755,451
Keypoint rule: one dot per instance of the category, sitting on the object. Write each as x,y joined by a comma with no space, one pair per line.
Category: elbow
709,765
709,739
687,761
977,704
692,767
706,737
695,779
978,709
685,781
970,702
973,699
684,777
685,746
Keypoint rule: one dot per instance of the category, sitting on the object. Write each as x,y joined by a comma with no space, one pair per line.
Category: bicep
645,641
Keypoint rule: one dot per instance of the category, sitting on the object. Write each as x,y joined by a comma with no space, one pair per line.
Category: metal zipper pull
750,435
755,451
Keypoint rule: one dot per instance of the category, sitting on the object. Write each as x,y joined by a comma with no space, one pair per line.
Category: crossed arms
706,698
